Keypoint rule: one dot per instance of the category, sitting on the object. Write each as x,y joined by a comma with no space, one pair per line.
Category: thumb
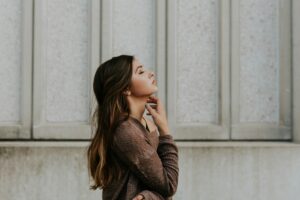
151,110
138,197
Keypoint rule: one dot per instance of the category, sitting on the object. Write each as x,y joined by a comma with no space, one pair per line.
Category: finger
151,100
152,97
150,105
139,197
154,100
153,106
151,110
158,105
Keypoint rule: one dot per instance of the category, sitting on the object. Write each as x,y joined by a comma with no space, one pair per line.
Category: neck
137,106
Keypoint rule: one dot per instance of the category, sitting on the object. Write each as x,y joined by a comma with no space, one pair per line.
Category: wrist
164,131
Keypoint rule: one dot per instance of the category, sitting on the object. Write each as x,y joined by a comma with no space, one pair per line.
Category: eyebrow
138,68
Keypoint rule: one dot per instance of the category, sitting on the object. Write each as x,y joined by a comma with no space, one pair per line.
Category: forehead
136,63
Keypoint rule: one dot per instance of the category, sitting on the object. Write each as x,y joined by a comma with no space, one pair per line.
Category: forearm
168,153
156,168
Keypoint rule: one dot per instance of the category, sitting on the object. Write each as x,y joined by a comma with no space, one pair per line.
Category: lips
153,81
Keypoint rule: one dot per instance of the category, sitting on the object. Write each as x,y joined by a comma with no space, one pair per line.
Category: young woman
130,157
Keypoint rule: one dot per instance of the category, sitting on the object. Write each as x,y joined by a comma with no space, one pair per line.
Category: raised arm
156,169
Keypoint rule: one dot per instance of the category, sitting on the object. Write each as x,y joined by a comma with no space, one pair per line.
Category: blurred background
228,73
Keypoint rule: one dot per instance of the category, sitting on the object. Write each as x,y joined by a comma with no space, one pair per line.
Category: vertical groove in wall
32,64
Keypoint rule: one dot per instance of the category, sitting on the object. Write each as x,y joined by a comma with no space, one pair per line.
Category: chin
152,93
155,90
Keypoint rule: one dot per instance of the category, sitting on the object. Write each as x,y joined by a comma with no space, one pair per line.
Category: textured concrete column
296,71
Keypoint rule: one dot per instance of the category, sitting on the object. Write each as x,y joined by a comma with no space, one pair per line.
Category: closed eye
141,72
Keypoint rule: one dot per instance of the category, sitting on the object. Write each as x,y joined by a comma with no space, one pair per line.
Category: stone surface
44,173
196,61
134,30
259,61
10,62
207,172
65,46
236,173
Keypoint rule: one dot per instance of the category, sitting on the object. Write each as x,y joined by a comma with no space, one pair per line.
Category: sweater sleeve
158,169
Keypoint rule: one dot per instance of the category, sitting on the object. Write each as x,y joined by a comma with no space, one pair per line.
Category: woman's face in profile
143,81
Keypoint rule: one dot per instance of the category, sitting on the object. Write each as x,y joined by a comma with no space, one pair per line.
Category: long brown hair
111,79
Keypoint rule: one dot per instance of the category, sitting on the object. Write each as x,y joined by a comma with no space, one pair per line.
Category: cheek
138,85
142,87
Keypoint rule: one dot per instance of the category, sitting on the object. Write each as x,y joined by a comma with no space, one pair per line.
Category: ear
127,92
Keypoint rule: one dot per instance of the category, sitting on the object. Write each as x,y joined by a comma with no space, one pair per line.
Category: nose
151,74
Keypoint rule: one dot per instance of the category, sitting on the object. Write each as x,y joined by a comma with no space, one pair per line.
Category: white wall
224,73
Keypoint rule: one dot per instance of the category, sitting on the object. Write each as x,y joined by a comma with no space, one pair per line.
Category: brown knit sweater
150,163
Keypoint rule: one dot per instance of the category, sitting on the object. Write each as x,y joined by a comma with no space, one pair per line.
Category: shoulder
127,129
128,135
